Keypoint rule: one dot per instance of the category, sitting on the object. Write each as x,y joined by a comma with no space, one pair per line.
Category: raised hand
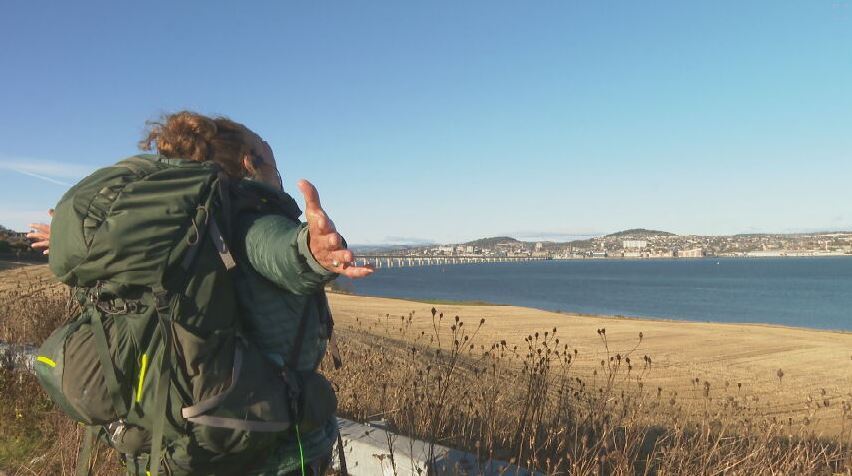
325,243
41,235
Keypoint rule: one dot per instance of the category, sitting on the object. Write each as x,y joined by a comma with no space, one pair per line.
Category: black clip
94,293
162,302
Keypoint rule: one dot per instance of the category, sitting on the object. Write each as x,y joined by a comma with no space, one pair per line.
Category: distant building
634,244
539,246
693,253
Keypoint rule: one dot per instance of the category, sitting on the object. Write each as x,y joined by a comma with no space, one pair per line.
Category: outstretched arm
325,243
299,257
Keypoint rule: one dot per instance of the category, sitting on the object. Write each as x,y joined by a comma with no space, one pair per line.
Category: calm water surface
804,292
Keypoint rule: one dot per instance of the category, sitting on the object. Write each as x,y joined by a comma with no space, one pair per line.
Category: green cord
301,452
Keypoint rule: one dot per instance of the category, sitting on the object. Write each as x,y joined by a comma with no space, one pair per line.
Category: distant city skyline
443,122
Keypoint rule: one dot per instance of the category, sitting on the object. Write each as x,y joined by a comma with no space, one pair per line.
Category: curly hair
193,136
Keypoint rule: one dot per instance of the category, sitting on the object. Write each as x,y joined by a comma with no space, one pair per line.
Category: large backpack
156,363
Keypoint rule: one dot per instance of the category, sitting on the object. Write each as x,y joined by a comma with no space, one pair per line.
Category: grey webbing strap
297,344
221,245
237,424
84,459
163,384
204,406
107,367
225,200
163,303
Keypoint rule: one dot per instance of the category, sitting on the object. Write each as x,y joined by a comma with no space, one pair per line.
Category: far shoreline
655,258
568,313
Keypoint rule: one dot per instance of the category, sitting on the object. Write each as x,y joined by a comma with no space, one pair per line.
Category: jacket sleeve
277,248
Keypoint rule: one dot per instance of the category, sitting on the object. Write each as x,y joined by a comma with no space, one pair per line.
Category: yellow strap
46,360
142,368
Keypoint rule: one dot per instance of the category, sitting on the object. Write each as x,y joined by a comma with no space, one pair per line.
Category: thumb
312,200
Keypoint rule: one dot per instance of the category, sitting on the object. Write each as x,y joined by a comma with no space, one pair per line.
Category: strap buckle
94,293
162,302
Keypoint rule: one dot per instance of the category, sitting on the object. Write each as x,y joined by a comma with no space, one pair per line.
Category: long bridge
397,261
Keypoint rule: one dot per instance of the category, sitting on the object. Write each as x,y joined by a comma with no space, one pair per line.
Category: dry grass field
733,358
561,393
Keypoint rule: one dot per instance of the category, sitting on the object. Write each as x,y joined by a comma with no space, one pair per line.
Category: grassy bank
816,365
558,392
585,395
35,438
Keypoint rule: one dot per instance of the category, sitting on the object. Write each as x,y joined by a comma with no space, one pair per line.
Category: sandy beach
815,364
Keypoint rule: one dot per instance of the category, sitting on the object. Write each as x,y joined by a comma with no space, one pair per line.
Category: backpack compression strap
84,459
163,301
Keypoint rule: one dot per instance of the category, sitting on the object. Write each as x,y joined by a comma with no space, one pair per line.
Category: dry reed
526,404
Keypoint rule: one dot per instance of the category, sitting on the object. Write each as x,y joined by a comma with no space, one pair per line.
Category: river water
802,292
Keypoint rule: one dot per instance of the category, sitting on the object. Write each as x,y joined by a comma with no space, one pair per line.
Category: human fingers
317,217
40,228
312,200
335,241
322,224
356,272
38,236
332,259
42,245
341,258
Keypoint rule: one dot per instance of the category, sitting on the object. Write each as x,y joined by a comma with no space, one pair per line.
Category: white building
693,253
634,244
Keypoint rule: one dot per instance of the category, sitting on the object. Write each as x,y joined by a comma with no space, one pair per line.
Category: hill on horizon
640,232
493,241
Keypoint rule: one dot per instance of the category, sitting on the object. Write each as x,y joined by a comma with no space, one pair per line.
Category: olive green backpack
156,363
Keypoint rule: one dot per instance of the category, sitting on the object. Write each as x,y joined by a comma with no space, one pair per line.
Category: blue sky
449,121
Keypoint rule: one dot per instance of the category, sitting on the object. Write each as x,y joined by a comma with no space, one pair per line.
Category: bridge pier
392,261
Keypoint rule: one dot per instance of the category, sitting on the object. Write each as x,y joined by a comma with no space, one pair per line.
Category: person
290,262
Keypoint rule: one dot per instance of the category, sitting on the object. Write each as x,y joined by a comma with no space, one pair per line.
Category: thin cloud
41,177
407,240
47,170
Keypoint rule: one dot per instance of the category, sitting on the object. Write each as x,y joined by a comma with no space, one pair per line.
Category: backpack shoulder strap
252,196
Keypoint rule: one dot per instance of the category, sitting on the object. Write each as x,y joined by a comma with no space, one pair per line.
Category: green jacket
285,281
157,342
